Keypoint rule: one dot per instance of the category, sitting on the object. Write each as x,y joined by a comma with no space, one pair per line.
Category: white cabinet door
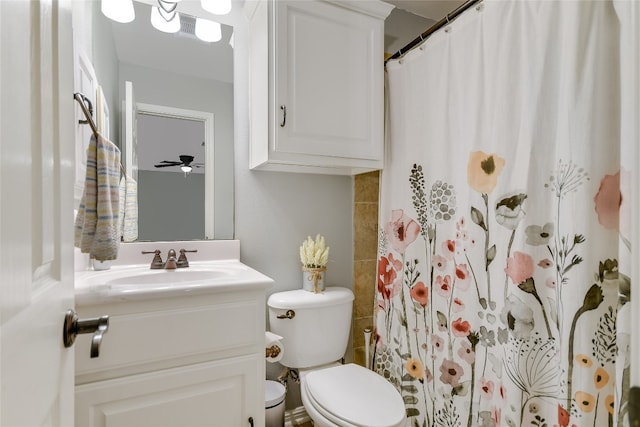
328,81
326,97
221,393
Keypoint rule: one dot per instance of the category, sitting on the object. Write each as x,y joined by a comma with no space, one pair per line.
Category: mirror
174,72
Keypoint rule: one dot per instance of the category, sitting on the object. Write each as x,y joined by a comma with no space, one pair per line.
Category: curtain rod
435,27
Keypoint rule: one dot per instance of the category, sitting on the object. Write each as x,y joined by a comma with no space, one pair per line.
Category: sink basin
139,281
168,277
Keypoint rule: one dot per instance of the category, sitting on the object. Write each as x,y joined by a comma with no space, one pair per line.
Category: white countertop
213,269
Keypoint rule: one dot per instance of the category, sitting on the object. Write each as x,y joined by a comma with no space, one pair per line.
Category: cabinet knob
283,108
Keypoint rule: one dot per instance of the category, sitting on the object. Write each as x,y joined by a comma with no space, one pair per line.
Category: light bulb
217,7
208,31
186,169
161,24
118,10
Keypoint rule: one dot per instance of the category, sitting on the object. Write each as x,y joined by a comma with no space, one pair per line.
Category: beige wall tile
365,213
366,187
359,324
365,235
364,287
366,247
358,356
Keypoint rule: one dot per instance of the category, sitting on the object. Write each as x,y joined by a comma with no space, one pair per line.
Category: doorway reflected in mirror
173,197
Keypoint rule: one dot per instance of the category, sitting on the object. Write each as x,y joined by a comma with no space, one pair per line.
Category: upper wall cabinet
317,85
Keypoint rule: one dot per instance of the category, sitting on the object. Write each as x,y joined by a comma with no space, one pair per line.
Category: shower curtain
504,254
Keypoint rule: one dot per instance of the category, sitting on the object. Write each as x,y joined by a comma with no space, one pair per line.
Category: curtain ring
447,27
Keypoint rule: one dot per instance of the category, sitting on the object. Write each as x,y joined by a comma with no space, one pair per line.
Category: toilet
315,330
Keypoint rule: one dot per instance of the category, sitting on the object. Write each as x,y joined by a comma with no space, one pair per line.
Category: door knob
98,326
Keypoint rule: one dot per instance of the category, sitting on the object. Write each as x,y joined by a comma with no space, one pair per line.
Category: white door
36,212
130,114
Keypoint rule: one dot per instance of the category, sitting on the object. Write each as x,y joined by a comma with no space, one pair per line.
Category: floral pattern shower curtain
503,280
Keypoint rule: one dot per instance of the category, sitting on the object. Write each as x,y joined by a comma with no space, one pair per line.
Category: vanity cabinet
316,85
187,360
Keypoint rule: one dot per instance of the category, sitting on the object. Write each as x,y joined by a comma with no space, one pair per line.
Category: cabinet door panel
209,394
329,79
136,340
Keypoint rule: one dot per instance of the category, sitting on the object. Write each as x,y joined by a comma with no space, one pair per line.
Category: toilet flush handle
290,314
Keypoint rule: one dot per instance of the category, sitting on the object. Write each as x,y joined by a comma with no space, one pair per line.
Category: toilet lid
355,395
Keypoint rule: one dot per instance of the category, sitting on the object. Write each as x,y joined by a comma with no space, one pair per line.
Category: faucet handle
156,263
182,260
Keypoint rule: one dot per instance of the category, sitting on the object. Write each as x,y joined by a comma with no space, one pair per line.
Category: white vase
313,279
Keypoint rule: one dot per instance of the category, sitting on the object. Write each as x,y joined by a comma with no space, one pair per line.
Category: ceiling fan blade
164,165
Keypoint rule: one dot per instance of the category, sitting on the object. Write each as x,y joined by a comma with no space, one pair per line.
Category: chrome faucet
171,263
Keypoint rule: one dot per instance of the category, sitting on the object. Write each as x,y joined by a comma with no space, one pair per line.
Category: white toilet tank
318,331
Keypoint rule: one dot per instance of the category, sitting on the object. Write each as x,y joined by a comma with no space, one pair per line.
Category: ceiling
430,9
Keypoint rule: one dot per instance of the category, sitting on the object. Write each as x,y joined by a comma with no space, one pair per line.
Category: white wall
276,211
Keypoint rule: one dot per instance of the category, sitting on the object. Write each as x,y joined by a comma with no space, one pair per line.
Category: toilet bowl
334,395
350,396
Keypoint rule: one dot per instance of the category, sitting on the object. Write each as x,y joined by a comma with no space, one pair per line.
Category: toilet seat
352,396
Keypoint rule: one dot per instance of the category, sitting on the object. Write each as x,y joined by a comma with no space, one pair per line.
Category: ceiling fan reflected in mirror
186,163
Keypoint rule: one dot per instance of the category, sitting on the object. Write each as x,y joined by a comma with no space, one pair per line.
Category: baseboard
296,417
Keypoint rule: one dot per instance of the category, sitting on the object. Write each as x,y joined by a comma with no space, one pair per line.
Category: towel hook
88,105
87,109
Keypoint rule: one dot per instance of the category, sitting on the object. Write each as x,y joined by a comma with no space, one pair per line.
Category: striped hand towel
96,226
128,209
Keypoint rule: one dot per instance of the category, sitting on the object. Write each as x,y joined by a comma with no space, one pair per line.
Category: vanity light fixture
208,31
165,18
118,10
217,7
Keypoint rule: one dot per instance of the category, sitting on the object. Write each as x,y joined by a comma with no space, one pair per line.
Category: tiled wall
365,236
